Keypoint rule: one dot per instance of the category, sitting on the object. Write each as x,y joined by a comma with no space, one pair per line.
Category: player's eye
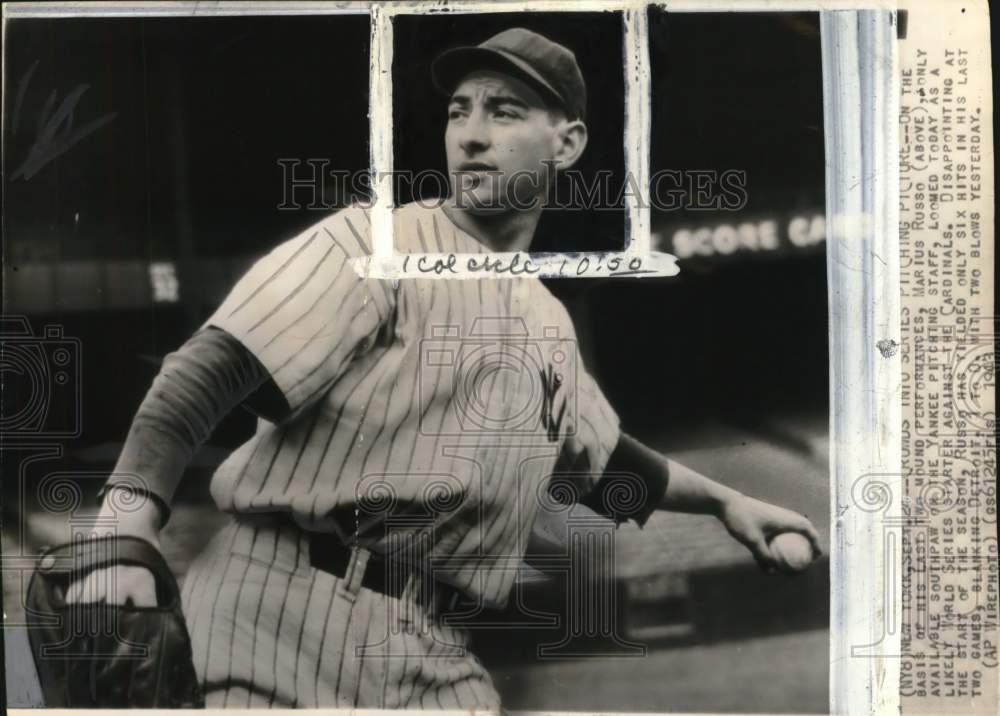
505,114
455,114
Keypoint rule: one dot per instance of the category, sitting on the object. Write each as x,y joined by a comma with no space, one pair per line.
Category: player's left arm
669,485
623,479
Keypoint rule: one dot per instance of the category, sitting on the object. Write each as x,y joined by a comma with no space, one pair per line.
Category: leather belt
329,554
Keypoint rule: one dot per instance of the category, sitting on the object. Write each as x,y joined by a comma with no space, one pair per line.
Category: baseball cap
542,63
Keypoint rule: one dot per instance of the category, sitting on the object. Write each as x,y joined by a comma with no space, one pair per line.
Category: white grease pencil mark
515,265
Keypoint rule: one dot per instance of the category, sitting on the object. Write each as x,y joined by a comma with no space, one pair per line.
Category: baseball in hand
792,551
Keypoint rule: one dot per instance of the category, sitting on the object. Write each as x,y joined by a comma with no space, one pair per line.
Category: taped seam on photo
860,79
638,91
380,130
188,8
193,8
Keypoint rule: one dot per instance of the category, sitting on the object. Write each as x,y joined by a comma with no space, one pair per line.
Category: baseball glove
102,655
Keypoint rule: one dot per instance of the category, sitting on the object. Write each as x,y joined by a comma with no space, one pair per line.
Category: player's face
499,137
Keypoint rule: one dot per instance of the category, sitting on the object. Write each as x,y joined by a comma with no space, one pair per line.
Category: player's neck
507,231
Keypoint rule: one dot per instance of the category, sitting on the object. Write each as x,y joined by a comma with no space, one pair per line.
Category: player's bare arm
752,522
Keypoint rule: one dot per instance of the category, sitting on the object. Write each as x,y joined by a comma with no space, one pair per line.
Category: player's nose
474,134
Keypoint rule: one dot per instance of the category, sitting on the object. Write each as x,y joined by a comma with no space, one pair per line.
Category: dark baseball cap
545,65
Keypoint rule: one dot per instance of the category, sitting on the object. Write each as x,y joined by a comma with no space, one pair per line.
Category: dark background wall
200,110
197,113
734,336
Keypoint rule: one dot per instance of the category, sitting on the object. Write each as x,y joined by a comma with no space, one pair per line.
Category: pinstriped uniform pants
269,630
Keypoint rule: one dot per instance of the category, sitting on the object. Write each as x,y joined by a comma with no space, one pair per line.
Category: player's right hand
121,584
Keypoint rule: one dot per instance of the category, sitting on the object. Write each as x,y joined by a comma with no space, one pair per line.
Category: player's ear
570,140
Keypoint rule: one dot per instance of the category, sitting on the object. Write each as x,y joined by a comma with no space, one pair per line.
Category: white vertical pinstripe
316,668
353,358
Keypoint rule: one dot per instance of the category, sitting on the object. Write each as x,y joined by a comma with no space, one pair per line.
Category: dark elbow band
631,488
200,383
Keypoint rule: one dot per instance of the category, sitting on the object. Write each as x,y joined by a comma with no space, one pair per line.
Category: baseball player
408,432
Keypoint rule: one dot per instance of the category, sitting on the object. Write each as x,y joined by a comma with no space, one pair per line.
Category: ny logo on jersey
551,382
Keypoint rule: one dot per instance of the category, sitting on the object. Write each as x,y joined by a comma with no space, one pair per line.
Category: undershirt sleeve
197,386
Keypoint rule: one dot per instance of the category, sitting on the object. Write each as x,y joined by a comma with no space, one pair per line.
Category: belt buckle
445,597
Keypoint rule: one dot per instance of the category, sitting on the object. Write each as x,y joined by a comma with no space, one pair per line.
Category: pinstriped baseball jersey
434,410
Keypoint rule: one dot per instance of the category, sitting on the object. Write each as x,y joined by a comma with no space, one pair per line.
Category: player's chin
484,202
